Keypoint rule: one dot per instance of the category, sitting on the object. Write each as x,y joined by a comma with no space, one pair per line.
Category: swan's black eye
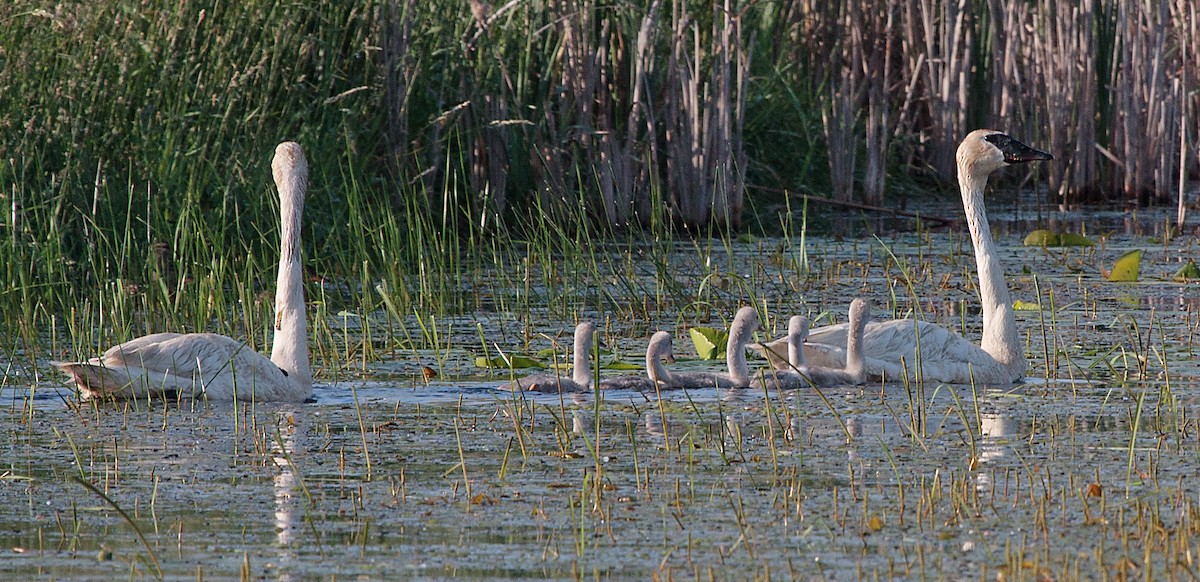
284,371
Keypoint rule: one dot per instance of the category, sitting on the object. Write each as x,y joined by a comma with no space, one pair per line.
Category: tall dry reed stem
706,85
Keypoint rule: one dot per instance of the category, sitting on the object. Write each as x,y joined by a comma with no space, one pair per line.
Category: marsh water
415,466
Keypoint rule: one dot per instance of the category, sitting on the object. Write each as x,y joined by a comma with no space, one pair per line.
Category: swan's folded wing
179,354
834,335
775,352
830,341
165,363
95,380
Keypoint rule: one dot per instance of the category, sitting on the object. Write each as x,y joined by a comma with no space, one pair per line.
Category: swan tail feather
94,380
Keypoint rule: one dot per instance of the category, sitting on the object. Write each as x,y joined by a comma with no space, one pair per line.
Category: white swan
207,365
943,355
802,375
738,375
581,374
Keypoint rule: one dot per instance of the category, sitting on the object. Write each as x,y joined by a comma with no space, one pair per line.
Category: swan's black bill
1015,151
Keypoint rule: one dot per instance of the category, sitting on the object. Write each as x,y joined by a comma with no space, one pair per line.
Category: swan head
860,312
660,346
984,151
583,335
290,168
798,327
744,323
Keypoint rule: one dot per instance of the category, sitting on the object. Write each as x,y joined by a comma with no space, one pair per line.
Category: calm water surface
1086,470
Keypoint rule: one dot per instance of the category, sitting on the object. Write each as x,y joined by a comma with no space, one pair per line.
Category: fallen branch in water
859,205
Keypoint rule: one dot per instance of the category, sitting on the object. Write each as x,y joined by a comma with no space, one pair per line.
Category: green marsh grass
401,261
177,156
128,519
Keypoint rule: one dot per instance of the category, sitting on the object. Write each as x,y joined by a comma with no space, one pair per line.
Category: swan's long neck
1000,338
797,333
290,348
658,348
582,373
856,361
735,351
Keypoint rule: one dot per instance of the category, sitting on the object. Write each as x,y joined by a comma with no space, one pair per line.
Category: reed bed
458,148
535,162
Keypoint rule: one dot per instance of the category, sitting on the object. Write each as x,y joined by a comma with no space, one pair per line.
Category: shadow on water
1085,470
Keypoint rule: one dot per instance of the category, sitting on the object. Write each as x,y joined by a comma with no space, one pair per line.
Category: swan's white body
581,374
738,375
801,375
905,347
212,366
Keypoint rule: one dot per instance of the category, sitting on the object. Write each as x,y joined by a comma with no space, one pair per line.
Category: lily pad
710,343
1071,239
1048,238
1188,272
1019,305
1126,267
619,365
511,361
1041,238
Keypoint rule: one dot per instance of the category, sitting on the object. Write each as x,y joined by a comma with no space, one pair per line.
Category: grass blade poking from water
362,429
462,463
1134,427
137,530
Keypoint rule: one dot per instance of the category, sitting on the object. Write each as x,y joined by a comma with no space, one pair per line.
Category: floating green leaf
1126,267
1041,238
1026,306
619,365
501,362
710,343
1071,239
1047,238
1188,272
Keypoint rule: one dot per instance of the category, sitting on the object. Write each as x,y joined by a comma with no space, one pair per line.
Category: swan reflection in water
287,491
654,425
994,437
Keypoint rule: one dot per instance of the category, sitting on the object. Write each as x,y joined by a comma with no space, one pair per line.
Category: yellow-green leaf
1047,238
1071,239
710,343
1126,267
619,365
1041,238
1188,272
500,362
1026,306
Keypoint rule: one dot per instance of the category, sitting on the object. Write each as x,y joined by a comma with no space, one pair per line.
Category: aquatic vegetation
1048,238
1126,268
411,464
1188,272
1080,472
